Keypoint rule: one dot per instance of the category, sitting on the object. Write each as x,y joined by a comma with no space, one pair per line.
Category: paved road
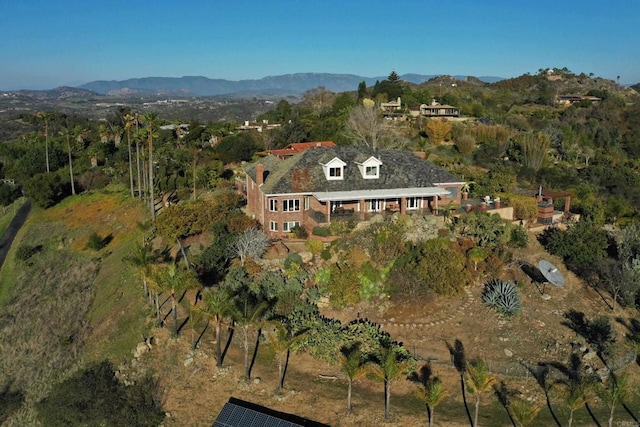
12,230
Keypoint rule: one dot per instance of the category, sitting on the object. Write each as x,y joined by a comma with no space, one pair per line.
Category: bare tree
535,147
251,243
365,126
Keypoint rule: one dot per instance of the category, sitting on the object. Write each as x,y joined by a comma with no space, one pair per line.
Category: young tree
431,391
437,130
248,314
524,413
478,382
392,362
218,306
281,340
353,366
613,392
174,280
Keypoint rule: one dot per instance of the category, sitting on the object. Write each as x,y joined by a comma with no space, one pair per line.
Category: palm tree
175,280
248,314
353,366
524,413
431,391
128,122
281,340
218,306
45,116
575,387
392,363
613,392
136,122
478,381
67,133
150,119
103,132
142,257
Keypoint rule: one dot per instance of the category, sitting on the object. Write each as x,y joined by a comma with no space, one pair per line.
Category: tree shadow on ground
459,360
541,374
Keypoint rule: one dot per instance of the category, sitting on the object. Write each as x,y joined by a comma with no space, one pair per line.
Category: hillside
94,309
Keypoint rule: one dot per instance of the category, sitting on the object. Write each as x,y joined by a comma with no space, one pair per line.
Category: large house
322,184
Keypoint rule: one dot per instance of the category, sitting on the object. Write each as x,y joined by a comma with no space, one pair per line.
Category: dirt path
16,223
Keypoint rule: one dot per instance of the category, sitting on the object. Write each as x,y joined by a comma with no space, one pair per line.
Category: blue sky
49,43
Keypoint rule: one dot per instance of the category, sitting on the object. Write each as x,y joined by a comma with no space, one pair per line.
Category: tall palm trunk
387,399
175,313
247,372
130,159
218,345
152,201
46,142
73,187
475,416
157,303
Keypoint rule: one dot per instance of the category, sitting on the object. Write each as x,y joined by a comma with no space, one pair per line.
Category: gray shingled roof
303,173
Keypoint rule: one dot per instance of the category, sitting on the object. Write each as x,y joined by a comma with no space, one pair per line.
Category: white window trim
273,225
287,226
288,204
273,205
334,163
371,162
415,201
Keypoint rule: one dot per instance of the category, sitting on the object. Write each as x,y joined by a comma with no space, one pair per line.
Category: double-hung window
287,226
291,205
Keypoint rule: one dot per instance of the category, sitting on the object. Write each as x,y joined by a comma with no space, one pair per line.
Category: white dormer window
334,169
370,168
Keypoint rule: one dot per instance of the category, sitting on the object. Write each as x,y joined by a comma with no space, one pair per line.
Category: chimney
259,174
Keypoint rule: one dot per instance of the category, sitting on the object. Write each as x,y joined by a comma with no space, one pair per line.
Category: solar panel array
233,415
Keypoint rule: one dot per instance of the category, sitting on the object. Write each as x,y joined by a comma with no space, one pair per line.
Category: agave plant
502,296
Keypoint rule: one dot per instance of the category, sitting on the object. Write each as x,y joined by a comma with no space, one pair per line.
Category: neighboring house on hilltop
391,105
299,147
322,184
436,109
571,99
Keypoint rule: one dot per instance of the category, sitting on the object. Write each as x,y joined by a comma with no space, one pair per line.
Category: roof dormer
370,168
334,169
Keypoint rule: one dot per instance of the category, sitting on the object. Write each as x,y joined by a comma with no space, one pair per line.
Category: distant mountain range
288,83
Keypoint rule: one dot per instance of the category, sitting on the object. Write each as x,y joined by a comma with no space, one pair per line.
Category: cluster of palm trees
252,307
137,127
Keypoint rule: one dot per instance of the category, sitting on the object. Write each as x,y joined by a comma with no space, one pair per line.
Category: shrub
299,232
519,237
325,254
502,296
314,246
321,231
96,397
25,252
96,242
342,227
291,259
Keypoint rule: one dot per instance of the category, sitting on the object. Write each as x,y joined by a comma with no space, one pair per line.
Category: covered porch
362,205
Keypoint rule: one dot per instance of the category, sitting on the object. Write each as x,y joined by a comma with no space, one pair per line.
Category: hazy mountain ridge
204,86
